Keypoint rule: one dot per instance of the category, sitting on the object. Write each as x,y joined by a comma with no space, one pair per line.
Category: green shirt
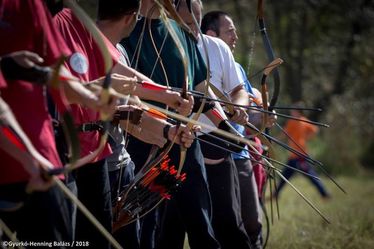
170,57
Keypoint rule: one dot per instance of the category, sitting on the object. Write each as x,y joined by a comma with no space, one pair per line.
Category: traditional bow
170,8
104,95
104,98
269,52
128,208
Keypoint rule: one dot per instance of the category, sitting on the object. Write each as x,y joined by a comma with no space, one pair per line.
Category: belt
93,126
213,161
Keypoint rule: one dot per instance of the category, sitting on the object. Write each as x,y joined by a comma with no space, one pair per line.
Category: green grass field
351,216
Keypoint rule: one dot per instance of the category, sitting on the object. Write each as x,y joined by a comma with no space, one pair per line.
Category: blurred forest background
329,61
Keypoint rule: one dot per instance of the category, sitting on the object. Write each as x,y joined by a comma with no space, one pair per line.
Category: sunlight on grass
351,217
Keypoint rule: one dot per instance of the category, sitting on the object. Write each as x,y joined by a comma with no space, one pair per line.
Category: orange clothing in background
300,132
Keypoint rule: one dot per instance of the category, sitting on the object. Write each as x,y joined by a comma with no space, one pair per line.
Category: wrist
165,96
166,131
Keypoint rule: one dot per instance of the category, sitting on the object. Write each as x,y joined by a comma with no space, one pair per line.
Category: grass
351,216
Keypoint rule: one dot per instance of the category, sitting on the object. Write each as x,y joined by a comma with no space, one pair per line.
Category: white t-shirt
223,72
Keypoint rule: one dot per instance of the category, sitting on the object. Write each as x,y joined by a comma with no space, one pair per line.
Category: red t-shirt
27,25
87,64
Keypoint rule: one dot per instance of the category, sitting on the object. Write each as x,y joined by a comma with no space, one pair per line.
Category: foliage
326,46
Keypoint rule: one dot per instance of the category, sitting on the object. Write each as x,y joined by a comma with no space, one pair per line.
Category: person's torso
86,63
26,25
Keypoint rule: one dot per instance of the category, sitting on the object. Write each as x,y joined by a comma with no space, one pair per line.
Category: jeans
301,164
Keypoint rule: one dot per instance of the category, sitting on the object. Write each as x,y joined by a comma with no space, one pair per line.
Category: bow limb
269,52
14,133
271,67
177,42
12,236
64,109
25,144
104,95
152,159
271,56
154,149
181,118
104,99
168,6
268,69
205,47
123,218
171,11
68,125
206,88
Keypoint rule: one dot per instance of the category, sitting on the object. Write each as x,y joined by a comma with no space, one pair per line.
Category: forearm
159,95
239,96
150,130
21,156
75,92
216,114
125,70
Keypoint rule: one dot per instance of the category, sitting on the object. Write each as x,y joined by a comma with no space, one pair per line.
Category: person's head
125,12
219,24
54,6
185,14
296,112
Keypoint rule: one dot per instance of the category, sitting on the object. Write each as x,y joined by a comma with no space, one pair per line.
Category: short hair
116,9
210,21
54,6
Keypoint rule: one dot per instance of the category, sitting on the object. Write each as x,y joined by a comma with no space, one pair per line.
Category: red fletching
13,138
162,179
160,189
166,196
217,114
165,163
153,86
182,177
172,170
64,78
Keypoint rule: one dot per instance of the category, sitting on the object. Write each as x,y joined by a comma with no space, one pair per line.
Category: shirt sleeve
28,26
232,77
247,84
197,68
50,44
